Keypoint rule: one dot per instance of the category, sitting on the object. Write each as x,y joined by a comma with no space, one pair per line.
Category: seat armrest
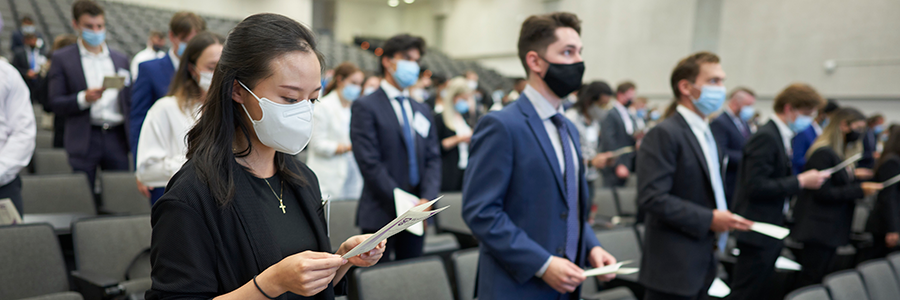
96,286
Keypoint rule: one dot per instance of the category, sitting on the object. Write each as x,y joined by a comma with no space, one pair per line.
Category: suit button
564,215
560,251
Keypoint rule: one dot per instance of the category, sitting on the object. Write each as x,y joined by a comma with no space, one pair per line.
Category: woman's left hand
367,259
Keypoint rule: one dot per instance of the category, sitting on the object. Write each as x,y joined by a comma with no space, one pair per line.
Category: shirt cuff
540,273
82,102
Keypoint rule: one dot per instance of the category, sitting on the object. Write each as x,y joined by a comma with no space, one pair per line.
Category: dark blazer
800,144
613,137
451,175
675,192
885,215
869,141
20,62
513,200
200,250
731,141
66,80
765,181
824,216
152,84
380,152
18,39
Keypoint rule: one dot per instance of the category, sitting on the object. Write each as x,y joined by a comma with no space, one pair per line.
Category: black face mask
564,79
158,48
628,103
852,136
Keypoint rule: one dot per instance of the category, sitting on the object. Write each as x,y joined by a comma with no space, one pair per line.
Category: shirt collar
84,51
541,105
693,119
783,129
391,91
174,59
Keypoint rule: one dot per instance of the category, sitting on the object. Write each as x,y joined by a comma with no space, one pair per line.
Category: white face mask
205,80
284,127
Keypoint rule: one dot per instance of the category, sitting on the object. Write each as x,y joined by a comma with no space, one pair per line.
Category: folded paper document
403,202
611,269
844,164
891,181
411,217
719,289
785,263
622,151
774,231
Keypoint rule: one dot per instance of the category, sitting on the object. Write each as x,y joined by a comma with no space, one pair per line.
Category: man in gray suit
619,130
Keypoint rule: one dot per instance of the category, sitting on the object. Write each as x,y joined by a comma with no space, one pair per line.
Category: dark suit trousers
13,191
753,270
108,150
703,294
816,260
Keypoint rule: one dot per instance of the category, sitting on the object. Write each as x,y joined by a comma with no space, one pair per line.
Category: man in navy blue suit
525,196
395,145
156,76
96,119
731,131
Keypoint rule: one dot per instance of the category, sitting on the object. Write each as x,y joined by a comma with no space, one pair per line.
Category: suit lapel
80,81
388,109
786,160
540,132
695,145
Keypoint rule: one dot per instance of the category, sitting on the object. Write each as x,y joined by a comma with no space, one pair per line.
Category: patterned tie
410,146
716,179
573,232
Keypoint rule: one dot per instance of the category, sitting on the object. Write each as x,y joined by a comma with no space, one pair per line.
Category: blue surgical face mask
94,38
462,106
351,92
747,113
878,129
641,113
711,99
181,47
369,90
654,115
407,73
801,123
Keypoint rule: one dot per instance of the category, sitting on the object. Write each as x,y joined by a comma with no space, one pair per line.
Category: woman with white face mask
243,219
330,154
161,146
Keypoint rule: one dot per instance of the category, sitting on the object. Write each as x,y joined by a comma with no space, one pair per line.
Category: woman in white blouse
161,146
331,156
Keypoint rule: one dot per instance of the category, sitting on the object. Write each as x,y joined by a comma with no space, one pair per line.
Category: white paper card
403,202
785,263
844,164
411,217
719,289
622,151
891,181
421,124
611,269
8,213
774,231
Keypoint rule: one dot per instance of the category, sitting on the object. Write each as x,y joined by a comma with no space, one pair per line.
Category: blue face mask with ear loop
801,123
94,38
181,47
711,99
462,107
351,92
747,113
407,73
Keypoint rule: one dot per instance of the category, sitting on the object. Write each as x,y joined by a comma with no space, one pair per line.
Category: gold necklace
280,199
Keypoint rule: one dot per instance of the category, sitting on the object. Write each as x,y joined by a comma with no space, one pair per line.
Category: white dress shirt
35,59
392,94
175,60
626,117
700,128
545,111
17,125
161,146
106,110
147,54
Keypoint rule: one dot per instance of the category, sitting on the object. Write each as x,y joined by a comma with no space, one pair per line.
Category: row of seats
69,193
872,280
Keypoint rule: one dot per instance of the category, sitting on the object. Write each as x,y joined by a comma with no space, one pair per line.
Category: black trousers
13,191
753,270
108,150
703,294
879,247
403,245
816,260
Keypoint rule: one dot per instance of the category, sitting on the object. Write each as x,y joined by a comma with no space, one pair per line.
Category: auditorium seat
119,194
51,161
47,194
44,140
451,218
413,279
813,292
623,244
846,285
605,201
880,280
465,268
112,255
627,199
440,244
894,259
33,264
342,223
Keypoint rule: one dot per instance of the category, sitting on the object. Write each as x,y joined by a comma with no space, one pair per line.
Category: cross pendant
282,208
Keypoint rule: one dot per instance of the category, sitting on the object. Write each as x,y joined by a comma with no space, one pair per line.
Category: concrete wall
300,10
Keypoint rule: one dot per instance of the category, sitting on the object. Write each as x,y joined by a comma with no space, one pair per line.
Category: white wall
376,19
300,10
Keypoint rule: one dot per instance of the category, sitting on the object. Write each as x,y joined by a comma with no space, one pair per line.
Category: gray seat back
845,285
45,194
421,278
51,161
32,262
342,222
880,280
813,292
120,194
605,201
894,260
623,244
108,245
627,197
465,267
451,218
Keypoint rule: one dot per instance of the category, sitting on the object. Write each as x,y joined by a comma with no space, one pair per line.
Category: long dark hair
246,56
184,86
891,148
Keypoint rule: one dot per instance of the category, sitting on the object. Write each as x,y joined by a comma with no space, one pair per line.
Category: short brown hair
688,69
86,7
741,89
183,22
539,31
798,96
157,34
624,87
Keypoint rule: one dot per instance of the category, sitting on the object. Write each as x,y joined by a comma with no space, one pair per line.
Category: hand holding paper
611,269
411,217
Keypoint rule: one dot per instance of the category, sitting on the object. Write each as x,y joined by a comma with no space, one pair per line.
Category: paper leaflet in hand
774,231
891,181
719,289
843,164
622,151
611,269
403,202
411,217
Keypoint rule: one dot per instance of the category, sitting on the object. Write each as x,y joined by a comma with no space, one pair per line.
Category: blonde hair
455,87
832,136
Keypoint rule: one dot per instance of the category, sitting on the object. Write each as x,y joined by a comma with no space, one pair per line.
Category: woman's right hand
870,188
306,273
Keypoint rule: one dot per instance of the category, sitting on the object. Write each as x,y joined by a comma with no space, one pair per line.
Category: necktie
410,145
32,60
572,229
716,180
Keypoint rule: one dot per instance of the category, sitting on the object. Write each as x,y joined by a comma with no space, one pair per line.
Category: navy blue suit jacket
800,143
152,84
731,141
380,152
66,80
513,200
